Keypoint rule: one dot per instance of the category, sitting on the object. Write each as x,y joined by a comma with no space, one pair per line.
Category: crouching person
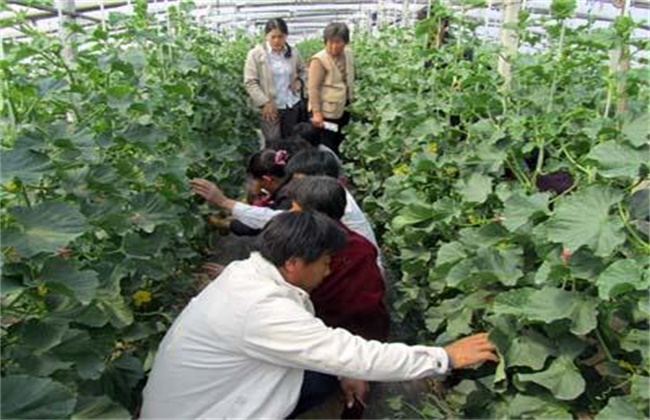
242,346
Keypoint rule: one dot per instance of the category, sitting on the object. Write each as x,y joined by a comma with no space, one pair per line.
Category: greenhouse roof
306,17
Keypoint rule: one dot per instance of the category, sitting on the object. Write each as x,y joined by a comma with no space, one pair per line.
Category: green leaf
25,164
504,264
527,406
29,397
142,245
450,252
99,408
520,208
549,304
42,335
636,130
636,340
620,277
150,209
529,350
412,214
619,408
45,227
583,220
134,56
562,378
78,347
615,160
83,283
476,189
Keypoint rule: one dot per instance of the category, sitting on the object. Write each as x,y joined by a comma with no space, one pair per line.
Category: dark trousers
333,139
316,388
282,128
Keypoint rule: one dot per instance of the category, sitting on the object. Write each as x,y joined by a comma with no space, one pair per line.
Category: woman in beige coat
331,84
273,77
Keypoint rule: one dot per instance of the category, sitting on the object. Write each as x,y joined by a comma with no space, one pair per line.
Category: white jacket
239,349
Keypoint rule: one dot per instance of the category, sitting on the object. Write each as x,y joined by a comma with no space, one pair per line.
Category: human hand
210,192
269,113
213,269
317,119
470,351
354,388
295,86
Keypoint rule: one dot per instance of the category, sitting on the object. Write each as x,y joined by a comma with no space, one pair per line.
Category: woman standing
273,77
331,84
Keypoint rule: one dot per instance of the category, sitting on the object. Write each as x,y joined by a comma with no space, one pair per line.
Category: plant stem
608,353
626,222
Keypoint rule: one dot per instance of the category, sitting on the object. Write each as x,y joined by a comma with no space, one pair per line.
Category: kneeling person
241,347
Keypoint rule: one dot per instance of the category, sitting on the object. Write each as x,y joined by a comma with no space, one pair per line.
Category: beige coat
258,78
334,91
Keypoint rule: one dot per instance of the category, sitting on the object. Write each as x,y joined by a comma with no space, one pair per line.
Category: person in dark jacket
352,295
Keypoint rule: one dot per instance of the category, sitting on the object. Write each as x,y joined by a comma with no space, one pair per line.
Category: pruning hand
269,113
354,388
470,351
211,193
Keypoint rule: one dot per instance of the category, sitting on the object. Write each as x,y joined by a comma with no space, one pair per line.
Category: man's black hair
304,235
308,132
313,162
319,193
336,30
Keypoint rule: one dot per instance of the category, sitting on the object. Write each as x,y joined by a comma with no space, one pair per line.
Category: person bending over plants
242,347
352,295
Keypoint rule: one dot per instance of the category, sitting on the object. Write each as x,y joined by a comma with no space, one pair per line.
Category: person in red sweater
352,295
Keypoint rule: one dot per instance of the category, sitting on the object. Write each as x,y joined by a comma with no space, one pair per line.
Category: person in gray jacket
273,76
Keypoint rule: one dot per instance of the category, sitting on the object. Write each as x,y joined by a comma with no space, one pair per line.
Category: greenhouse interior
325,209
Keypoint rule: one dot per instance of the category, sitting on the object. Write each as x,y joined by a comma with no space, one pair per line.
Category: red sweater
351,297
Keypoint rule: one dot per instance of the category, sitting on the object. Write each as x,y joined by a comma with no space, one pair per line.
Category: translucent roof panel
307,18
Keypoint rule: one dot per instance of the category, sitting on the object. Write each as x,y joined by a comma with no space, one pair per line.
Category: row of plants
101,238
522,210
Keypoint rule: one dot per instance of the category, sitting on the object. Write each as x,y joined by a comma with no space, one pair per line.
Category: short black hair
307,131
267,162
301,234
276,23
319,193
313,162
336,30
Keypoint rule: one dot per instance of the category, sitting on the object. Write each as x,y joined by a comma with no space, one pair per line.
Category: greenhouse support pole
623,68
508,38
66,8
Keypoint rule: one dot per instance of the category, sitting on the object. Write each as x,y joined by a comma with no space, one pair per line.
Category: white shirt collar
273,273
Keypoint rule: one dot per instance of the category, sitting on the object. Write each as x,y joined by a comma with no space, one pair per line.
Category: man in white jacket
240,349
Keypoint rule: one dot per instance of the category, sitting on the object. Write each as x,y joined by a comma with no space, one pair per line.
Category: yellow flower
41,290
432,147
401,169
141,297
10,186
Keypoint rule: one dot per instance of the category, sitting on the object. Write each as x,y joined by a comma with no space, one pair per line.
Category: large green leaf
620,277
583,220
476,188
636,130
86,353
150,209
28,397
23,163
528,406
562,378
450,252
99,408
83,283
529,350
619,408
549,304
42,335
46,227
618,160
519,209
